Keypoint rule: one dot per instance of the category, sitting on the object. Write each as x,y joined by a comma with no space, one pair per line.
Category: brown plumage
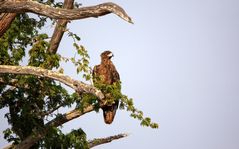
107,74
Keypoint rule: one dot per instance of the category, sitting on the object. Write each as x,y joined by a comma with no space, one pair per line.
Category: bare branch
100,141
59,29
5,22
37,71
10,6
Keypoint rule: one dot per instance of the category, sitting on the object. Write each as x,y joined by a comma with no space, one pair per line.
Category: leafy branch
125,103
135,113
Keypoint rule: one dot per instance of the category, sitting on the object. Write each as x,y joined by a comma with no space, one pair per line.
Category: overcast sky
180,63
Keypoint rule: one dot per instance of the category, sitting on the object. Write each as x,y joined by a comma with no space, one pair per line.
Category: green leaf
76,45
77,37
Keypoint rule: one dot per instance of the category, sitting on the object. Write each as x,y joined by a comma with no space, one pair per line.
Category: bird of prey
107,74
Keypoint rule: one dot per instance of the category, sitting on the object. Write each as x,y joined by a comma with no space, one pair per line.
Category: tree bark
11,6
5,22
78,86
59,29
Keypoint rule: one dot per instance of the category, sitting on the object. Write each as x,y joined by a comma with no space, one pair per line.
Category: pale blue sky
180,63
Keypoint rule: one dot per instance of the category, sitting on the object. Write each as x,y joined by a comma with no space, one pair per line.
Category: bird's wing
114,74
95,74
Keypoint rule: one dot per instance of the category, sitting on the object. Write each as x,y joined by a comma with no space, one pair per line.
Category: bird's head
106,55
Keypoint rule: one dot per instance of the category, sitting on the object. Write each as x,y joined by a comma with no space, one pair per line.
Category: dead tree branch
100,141
37,71
12,6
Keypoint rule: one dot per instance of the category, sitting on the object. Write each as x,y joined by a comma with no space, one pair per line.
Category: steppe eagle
107,74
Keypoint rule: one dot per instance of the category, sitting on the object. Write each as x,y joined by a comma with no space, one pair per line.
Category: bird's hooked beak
110,55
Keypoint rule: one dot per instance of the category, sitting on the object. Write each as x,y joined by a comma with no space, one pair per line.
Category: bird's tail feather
109,113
